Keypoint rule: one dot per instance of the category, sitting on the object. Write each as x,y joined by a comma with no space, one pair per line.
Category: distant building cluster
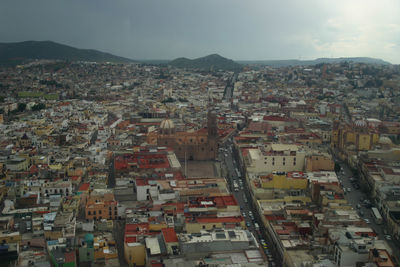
145,165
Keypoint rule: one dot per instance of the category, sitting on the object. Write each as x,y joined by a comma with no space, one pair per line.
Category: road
230,162
354,197
228,93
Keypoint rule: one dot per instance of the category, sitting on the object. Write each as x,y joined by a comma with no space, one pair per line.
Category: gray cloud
253,29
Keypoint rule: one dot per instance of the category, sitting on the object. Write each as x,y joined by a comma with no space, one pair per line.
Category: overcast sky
237,29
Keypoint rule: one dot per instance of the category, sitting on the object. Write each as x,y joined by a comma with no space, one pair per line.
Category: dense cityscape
106,164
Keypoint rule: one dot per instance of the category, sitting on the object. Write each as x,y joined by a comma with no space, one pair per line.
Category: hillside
16,53
210,62
295,62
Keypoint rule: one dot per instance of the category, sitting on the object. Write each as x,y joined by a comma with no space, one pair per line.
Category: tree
21,107
38,107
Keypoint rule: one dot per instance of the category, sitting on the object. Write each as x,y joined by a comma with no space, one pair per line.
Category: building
216,241
275,157
197,145
101,204
356,137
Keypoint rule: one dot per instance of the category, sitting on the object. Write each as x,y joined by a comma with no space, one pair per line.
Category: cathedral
198,145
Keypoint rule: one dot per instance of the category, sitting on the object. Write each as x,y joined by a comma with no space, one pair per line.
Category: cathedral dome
360,123
384,140
167,124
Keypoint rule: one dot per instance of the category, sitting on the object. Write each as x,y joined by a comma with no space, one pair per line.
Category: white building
275,157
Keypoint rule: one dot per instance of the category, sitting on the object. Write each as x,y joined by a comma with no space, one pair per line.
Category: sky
236,29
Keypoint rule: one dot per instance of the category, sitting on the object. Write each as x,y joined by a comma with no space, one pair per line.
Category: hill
295,62
16,53
210,62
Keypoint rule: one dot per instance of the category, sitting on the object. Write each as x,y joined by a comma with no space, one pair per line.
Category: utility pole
185,164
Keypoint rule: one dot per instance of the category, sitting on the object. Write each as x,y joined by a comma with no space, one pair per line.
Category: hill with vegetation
210,62
295,62
17,53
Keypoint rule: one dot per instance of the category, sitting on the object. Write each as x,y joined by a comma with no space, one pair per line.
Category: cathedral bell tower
212,124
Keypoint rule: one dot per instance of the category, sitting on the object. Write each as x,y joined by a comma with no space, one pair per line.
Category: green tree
21,107
38,107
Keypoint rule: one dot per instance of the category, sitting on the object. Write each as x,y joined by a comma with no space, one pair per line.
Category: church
198,145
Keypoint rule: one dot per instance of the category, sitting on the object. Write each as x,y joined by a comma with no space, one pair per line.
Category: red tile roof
169,235
84,187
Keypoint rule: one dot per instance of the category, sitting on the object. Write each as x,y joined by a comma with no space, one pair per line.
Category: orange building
101,204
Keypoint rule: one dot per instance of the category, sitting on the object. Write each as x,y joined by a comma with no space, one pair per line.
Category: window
99,211
89,213
94,212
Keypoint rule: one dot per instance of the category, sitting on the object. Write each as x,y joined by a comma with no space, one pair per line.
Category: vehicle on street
235,186
377,216
367,221
348,189
388,237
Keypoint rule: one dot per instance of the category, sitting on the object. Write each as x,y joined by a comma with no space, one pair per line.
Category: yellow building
104,249
292,180
44,130
357,137
135,253
7,237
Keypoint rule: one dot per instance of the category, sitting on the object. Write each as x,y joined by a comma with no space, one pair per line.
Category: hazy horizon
239,30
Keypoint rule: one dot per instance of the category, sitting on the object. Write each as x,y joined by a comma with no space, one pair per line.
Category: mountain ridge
297,62
18,52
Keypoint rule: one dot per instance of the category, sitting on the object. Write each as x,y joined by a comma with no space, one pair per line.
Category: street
354,198
242,194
